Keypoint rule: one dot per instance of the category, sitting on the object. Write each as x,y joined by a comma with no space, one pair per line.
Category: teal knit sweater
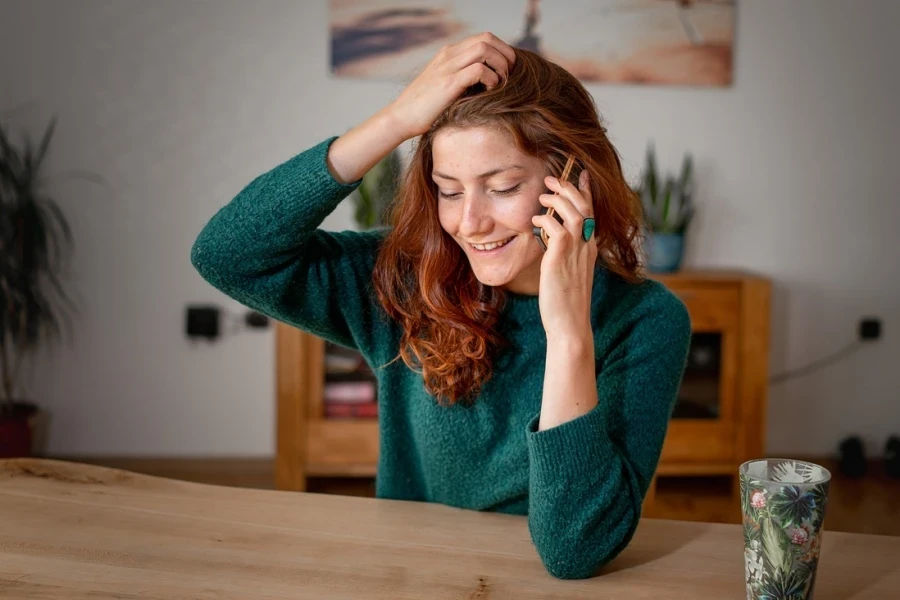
581,483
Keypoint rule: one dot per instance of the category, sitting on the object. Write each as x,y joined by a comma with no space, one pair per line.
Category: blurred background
785,111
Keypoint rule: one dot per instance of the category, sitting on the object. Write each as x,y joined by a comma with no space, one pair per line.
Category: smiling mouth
492,245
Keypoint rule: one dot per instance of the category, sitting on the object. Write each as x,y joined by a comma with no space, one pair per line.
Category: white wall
179,104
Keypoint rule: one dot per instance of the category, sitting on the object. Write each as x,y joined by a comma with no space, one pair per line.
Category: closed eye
511,190
505,192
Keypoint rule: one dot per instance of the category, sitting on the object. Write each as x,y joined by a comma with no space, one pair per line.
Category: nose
475,219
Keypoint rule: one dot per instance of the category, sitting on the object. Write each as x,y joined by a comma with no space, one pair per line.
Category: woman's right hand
480,58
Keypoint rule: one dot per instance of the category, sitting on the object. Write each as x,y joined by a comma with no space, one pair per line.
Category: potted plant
35,240
377,190
668,209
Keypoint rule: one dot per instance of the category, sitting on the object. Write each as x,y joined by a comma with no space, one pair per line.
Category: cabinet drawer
711,308
689,441
336,444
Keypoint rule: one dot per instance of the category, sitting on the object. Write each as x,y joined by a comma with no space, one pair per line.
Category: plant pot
665,252
22,432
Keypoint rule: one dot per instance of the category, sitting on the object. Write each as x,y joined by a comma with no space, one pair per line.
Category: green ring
587,228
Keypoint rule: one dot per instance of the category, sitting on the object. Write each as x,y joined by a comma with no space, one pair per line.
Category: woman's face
487,193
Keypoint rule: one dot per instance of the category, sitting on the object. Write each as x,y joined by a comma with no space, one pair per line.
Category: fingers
478,72
581,198
554,229
571,217
480,53
573,205
496,42
484,48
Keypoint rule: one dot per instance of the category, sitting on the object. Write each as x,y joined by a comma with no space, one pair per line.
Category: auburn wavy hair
422,277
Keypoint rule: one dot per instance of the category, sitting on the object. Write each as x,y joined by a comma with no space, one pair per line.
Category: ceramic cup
783,505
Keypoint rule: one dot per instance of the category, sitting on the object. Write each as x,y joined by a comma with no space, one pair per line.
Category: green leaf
651,179
648,201
806,569
675,207
667,202
783,586
776,547
377,190
792,505
751,533
745,493
819,494
687,168
667,198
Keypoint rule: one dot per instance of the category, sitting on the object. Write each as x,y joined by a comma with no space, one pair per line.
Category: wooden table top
75,531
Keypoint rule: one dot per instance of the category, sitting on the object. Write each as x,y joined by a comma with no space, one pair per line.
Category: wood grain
293,379
77,531
754,376
867,505
338,446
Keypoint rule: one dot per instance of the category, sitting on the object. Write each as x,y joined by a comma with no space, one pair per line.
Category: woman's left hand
567,268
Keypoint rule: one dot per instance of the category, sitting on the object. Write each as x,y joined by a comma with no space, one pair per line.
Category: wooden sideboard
719,421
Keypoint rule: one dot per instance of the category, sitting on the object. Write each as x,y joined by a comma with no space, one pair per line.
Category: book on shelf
368,410
350,387
349,392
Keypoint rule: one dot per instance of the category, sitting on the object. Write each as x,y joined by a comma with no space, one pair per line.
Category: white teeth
485,247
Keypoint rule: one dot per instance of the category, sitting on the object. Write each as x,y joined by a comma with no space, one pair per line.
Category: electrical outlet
869,329
202,322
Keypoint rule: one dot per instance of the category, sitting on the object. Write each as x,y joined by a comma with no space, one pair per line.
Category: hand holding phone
539,231
570,257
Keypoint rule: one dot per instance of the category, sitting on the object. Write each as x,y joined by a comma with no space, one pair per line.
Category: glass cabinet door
700,396
703,425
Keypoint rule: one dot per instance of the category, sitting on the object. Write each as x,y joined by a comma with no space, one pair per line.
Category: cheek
519,214
447,218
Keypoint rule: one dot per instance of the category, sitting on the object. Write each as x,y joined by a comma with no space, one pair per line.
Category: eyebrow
483,175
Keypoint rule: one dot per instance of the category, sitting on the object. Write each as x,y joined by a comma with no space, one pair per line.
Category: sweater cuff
571,449
308,174
305,181
322,174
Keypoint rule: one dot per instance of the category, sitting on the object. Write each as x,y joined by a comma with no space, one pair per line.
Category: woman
531,382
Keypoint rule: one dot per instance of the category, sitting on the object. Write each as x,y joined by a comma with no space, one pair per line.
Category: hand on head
482,58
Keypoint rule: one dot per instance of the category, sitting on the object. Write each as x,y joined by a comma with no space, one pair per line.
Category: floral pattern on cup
783,506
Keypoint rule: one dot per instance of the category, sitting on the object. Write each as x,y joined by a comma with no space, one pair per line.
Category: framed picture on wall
644,42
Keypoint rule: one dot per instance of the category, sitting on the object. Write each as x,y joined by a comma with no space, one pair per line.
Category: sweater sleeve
264,250
589,476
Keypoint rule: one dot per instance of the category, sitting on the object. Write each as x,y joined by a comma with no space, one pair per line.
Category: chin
493,280
492,275
490,271
495,275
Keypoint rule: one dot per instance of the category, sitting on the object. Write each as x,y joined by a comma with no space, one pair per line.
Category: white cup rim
826,474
